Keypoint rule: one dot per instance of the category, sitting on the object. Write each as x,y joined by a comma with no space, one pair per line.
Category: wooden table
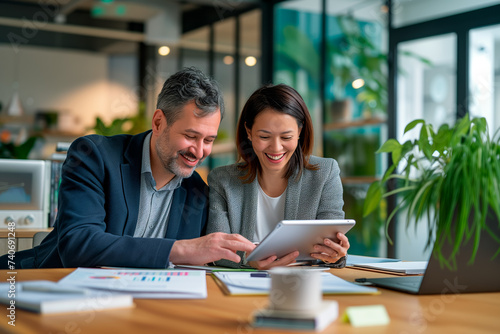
221,314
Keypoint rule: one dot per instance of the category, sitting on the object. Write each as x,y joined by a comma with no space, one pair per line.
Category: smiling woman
274,138
276,177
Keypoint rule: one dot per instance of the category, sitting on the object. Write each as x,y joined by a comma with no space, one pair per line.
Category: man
135,201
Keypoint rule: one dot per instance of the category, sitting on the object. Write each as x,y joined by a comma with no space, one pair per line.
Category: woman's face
274,137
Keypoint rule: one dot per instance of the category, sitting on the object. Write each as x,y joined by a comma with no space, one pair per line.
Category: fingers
343,240
209,248
331,251
227,255
233,242
263,264
273,261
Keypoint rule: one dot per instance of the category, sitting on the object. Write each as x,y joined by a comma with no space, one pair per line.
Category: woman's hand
273,261
331,251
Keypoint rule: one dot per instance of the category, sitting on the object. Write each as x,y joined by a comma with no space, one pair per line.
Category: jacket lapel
175,216
131,180
250,195
292,198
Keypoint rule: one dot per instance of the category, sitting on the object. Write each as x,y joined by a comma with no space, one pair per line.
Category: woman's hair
283,99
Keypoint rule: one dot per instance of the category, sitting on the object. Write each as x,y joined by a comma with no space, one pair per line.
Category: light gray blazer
317,194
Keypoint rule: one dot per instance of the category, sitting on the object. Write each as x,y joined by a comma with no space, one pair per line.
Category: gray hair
189,84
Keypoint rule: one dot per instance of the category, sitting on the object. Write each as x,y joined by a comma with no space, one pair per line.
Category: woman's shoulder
325,167
323,163
231,169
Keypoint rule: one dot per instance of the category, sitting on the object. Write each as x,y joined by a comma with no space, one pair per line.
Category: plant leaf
373,198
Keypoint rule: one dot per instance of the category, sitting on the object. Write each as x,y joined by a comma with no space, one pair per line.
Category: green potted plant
16,149
131,125
449,179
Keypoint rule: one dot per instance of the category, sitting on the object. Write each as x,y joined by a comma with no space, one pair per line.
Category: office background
82,59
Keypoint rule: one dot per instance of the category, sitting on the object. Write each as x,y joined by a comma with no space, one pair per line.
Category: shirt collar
146,167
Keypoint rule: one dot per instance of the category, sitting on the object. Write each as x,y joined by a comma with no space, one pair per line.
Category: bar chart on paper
153,276
168,284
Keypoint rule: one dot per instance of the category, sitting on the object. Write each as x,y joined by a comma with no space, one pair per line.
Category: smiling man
136,201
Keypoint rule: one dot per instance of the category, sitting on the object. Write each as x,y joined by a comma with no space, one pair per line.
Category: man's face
183,145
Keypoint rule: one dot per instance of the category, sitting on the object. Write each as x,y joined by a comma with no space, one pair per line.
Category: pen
259,275
363,281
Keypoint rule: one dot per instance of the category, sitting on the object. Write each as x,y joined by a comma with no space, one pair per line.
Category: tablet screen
301,235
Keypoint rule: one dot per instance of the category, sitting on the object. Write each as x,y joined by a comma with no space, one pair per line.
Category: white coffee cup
295,289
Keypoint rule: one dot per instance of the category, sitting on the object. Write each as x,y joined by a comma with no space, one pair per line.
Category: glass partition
345,89
297,39
410,12
484,75
425,90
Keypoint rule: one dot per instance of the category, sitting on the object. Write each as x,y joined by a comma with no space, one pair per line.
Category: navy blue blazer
98,209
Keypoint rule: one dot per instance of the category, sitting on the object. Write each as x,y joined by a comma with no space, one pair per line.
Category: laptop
481,276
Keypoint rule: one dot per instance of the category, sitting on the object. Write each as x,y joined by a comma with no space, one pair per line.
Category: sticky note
369,315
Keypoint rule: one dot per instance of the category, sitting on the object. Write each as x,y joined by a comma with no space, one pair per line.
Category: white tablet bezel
301,235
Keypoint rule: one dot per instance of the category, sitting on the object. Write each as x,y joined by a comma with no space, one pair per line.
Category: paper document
360,259
401,268
210,269
243,283
48,297
142,283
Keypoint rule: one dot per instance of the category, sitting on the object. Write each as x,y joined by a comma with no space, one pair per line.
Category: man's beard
170,160
172,164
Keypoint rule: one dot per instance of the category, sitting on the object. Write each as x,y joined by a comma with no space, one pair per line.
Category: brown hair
283,99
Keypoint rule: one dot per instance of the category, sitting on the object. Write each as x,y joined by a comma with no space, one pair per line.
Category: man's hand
209,248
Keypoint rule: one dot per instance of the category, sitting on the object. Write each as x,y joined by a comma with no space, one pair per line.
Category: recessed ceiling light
163,50
250,61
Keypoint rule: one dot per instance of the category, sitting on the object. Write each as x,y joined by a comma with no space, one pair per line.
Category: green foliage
131,125
10,150
358,57
446,176
307,58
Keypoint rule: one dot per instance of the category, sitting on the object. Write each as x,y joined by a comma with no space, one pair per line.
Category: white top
270,211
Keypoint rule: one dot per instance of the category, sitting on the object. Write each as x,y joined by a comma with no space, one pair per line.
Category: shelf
23,119
60,134
359,179
353,124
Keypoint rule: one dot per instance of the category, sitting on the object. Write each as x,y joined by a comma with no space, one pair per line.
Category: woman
276,177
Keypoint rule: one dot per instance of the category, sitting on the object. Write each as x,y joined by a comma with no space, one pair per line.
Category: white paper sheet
143,283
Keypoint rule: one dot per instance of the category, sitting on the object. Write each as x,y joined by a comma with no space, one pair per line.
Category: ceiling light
163,50
250,61
228,60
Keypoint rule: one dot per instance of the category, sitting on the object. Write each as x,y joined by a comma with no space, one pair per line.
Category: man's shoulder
111,140
109,147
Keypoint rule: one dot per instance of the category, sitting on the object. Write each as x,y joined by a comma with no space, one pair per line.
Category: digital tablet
301,235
